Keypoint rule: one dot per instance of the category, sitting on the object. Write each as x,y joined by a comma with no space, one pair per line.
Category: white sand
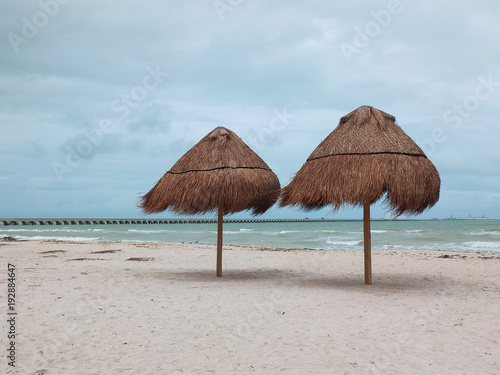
272,312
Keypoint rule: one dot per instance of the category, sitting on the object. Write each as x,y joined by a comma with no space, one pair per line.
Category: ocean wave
144,231
52,230
41,230
486,233
395,247
474,238
48,238
274,234
316,239
481,246
344,243
242,230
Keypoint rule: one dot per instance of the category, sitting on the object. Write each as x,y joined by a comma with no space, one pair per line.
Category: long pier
38,221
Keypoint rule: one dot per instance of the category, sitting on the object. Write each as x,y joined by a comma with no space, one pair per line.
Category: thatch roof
366,156
220,170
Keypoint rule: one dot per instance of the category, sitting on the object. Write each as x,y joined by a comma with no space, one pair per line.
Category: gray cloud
85,65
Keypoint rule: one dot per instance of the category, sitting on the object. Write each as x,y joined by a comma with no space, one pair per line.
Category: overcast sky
100,98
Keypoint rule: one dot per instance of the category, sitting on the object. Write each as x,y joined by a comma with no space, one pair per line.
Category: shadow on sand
303,279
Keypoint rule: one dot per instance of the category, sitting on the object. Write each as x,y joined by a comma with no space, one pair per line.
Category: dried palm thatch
366,156
219,171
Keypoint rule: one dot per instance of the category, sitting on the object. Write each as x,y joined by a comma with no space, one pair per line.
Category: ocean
446,235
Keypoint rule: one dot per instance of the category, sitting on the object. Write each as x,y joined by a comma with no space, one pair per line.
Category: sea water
446,235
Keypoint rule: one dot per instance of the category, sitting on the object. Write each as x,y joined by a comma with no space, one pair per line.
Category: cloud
89,63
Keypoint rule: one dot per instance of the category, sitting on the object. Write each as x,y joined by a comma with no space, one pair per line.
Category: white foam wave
485,233
144,231
48,238
344,243
242,230
482,246
282,232
52,230
395,247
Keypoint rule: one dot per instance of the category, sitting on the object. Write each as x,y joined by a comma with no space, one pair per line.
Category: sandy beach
146,308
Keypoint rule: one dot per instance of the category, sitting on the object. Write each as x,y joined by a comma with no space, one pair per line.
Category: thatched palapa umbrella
366,156
220,173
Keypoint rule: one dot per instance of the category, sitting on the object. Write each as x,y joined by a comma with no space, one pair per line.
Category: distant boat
478,218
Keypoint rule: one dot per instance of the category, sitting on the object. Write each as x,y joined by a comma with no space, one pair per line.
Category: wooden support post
367,244
220,231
